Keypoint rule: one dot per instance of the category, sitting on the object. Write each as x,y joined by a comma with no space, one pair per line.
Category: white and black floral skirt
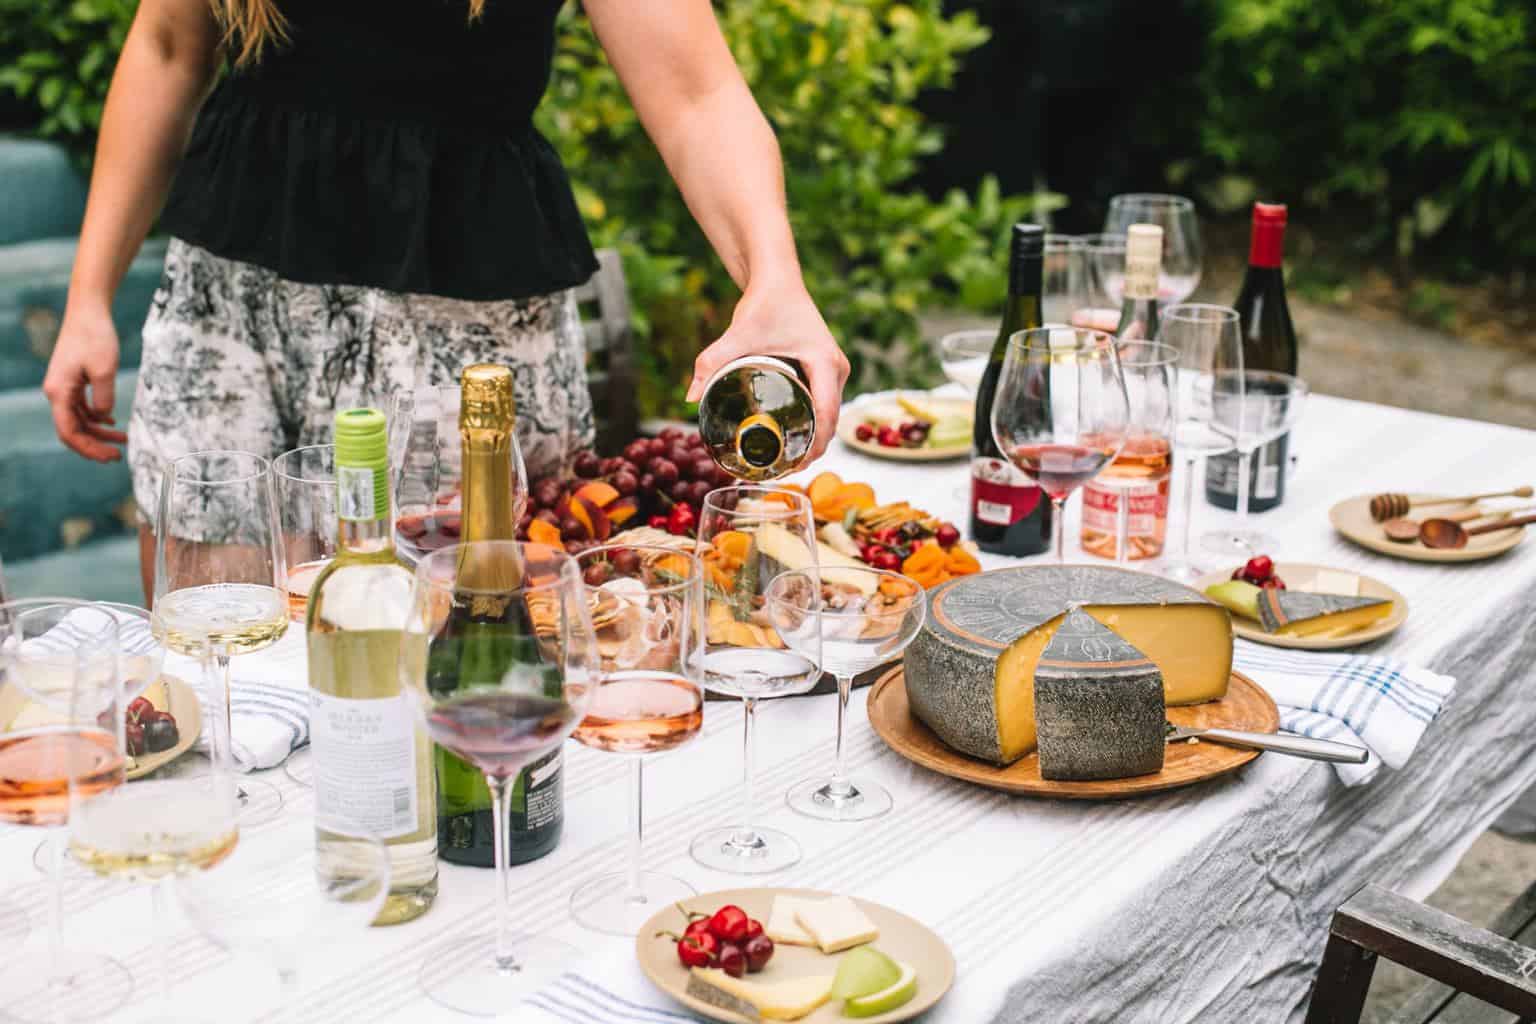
236,357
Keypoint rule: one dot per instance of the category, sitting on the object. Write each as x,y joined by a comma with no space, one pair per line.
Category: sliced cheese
836,924
1335,581
790,999
1294,613
793,553
1191,645
782,927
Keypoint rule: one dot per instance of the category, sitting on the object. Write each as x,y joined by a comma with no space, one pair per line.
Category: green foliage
56,57
1424,110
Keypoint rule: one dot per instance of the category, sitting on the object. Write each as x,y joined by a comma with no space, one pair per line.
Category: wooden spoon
1405,531
1390,505
1443,533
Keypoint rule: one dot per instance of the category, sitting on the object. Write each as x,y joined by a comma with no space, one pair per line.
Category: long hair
250,26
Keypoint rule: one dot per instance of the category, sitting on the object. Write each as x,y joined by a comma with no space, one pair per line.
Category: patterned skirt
236,357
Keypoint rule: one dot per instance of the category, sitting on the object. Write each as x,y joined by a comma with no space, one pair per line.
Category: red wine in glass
1060,469
500,733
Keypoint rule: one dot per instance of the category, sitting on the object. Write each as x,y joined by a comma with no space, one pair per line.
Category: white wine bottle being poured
757,419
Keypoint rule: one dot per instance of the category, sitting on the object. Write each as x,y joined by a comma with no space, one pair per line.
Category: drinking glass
963,356
1145,461
747,536
1061,411
1106,283
859,620
1209,342
305,482
647,606
221,577
500,661
1252,408
429,471
288,887
1066,273
1182,254
61,728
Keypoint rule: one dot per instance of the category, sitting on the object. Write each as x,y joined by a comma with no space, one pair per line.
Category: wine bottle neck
366,537
1267,246
487,501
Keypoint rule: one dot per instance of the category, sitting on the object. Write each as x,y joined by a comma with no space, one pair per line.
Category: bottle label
1148,506
1141,277
354,493
1266,482
1000,493
365,764
538,804
1266,470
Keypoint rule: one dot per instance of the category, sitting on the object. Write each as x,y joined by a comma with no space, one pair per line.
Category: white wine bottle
1143,267
372,758
756,418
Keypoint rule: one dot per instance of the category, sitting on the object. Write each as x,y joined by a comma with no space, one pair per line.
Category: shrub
56,58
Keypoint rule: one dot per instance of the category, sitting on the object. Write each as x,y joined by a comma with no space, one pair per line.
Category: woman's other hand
782,321
80,385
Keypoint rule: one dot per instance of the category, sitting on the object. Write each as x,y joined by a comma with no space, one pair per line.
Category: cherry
680,522
886,559
1259,569
657,522
864,432
698,926
729,923
732,960
889,437
698,949
139,708
758,950
665,470
947,535
161,734
754,929
133,736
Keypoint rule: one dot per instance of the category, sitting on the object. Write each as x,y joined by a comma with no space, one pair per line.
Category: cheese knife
1279,743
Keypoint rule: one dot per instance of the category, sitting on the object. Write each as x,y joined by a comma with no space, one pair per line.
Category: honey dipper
1391,506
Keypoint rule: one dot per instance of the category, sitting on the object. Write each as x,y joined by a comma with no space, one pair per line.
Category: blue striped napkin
1376,702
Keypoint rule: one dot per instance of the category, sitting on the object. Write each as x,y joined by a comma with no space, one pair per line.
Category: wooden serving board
1352,519
1246,706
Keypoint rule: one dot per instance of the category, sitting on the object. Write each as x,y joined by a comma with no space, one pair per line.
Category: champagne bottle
372,759
1143,266
1009,515
756,418
1269,343
486,418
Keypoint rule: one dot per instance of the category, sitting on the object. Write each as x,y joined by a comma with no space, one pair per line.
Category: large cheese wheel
970,672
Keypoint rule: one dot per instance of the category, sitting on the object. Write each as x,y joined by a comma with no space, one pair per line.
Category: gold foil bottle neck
486,401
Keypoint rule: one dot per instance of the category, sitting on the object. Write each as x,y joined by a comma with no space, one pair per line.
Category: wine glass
747,536
1061,411
499,659
1139,474
1182,254
963,356
221,577
1066,273
647,606
1106,283
287,887
61,728
859,619
424,429
1209,342
305,483
1252,408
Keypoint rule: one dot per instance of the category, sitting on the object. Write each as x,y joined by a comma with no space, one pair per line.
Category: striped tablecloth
1208,904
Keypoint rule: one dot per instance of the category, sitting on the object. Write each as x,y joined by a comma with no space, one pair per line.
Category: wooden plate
1299,576
886,408
1245,706
902,937
169,693
1352,518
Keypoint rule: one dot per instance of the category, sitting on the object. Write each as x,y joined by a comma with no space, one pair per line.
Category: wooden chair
1478,975
604,303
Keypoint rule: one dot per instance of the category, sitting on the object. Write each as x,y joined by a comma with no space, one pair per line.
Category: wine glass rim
695,570
1065,241
950,343
1198,312
1038,339
799,506
280,464
771,597
1294,383
568,570
263,466
1167,198
1154,353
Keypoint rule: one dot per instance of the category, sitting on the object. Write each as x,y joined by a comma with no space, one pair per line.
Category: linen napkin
1379,703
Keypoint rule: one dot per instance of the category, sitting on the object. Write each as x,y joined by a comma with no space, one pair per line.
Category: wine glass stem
636,829
1122,527
501,809
1188,516
745,835
160,894
1244,464
839,786
57,838
1058,528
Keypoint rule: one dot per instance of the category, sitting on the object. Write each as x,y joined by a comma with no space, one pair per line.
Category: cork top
1143,260
486,400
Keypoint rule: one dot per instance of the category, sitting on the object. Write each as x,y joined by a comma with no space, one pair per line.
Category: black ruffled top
390,144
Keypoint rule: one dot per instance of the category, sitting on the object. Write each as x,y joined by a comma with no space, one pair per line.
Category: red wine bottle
1009,515
1269,343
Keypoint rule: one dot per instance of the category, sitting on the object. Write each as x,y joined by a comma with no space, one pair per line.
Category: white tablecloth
1207,904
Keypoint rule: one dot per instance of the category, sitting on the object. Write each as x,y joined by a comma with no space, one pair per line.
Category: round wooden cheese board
1246,706
1299,576
1352,519
904,938
886,409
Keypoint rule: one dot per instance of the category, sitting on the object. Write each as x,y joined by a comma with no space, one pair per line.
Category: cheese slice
1294,613
790,999
836,924
782,927
1335,581
793,553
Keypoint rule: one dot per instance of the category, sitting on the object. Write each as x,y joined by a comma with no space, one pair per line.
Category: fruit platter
1304,606
912,427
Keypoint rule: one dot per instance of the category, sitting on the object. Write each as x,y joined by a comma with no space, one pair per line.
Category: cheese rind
836,924
782,927
1295,613
777,1000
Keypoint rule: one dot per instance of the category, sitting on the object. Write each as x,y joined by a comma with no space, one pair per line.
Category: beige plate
1299,576
1245,706
166,694
1352,518
887,408
901,937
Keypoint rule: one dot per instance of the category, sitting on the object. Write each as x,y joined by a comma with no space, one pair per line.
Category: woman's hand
85,356
781,320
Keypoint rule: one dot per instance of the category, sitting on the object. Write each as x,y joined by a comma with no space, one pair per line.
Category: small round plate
884,410
170,694
901,937
1300,576
1352,518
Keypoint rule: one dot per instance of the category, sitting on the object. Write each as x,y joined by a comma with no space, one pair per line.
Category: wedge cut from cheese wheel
836,924
970,672
791,552
782,927
1293,613
789,999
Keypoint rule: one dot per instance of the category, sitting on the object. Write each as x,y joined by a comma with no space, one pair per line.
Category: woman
363,205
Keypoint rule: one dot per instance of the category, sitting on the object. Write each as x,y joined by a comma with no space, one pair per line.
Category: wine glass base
720,849
1241,545
467,978
66,985
815,798
300,768
74,871
257,802
1183,572
606,905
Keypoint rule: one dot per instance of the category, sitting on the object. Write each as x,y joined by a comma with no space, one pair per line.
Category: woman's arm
168,63
698,110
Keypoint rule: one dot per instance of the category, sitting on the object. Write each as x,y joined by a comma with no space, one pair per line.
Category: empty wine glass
1065,278
647,607
963,356
1182,253
1061,411
305,482
1252,408
1137,480
747,536
499,660
1209,342
1106,283
859,619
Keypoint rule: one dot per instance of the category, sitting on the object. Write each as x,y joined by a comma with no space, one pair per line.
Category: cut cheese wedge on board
1294,613
836,924
790,999
782,926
